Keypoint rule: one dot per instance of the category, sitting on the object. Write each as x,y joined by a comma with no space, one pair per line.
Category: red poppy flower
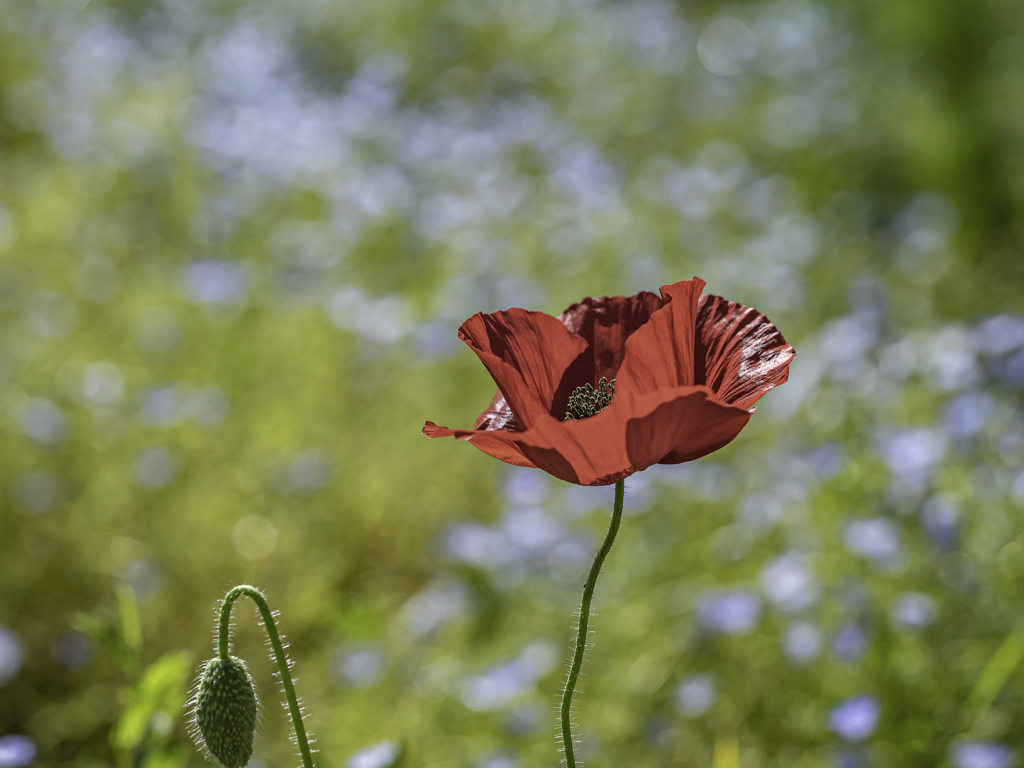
686,370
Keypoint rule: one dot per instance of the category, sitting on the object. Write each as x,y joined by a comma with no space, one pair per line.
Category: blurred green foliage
236,242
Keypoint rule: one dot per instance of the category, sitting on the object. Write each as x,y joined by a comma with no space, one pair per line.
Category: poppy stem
283,666
581,633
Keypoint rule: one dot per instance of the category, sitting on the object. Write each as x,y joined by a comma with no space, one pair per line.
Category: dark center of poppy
586,401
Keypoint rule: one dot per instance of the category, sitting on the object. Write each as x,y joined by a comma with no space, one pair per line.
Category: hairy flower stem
223,643
581,634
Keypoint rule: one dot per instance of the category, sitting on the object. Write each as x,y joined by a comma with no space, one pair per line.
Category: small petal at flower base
680,371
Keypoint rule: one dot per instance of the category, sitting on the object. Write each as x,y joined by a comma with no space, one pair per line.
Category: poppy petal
687,370
492,443
586,452
692,424
606,322
498,416
740,353
529,355
634,432
660,354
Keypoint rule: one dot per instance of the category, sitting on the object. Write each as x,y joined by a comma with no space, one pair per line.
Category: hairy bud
225,710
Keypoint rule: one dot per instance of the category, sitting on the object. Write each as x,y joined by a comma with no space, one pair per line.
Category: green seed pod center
586,401
225,710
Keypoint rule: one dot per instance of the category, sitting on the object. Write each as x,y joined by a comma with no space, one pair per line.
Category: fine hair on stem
584,618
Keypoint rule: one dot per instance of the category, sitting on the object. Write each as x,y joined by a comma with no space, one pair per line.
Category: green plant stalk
223,648
996,672
581,634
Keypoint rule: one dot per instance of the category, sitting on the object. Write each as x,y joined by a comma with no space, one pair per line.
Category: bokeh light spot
726,47
255,537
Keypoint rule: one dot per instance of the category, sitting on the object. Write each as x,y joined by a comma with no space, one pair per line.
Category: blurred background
236,242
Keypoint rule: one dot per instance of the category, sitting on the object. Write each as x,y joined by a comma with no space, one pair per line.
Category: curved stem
223,648
581,634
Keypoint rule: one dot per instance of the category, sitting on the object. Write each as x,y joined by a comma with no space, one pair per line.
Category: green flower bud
225,710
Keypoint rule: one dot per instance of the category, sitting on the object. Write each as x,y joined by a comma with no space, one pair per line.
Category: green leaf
159,695
107,635
131,626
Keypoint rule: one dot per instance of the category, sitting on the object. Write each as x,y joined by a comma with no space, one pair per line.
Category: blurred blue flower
383,320
569,556
498,761
581,171
382,755
849,643
696,695
898,360
433,607
640,493
696,191
500,684
761,510
802,642
525,720
12,655
73,649
913,453
167,405
982,754
951,364
478,694
358,666
967,414
206,406
39,490
216,282
856,718
580,499
672,475
661,732
876,539
1010,445
145,578
155,467
912,612
16,751
304,473
1013,371
435,340
715,480
845,343
1018,487
940,516
43,421
525,535
827,460
476,544
789,582
1001,334
731,612
531,530
161,406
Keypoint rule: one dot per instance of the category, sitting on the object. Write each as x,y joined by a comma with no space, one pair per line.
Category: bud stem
223,648
581,634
